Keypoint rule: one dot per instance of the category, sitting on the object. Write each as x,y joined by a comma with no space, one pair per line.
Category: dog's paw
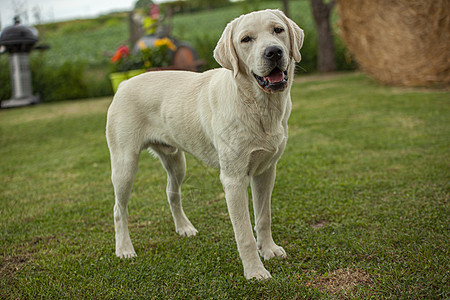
271,251
126,254
257,273
187,230
124,249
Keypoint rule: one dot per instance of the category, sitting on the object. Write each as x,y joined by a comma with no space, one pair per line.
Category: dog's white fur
221,116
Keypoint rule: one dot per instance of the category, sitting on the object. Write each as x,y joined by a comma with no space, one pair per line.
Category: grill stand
21,82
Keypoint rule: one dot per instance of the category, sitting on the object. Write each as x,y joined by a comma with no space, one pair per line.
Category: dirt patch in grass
320,224
341,282
9,265
12,263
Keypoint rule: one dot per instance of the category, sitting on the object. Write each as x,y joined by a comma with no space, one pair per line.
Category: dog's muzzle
277,78
274,81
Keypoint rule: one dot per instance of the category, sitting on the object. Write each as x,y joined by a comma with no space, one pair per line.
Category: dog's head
262,44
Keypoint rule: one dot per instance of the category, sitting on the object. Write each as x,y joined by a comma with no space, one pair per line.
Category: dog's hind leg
124,167
174,163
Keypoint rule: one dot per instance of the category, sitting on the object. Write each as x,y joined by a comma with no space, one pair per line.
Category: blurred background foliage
78,63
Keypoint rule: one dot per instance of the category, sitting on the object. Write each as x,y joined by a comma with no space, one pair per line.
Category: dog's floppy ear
225,53
296,36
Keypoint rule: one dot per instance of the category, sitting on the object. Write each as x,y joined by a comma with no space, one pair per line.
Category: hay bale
401,42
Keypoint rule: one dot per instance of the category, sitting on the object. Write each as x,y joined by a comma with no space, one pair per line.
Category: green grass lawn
360,205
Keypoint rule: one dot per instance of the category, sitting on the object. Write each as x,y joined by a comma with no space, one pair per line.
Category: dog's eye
278,30
246,39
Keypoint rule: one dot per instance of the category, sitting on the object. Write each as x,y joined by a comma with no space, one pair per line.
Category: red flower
121,52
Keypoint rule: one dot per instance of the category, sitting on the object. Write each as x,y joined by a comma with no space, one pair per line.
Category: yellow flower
165,42
141,45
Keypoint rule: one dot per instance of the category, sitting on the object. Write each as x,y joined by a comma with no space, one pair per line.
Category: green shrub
71,80
308,63
204,45
58,83
97,81
344,60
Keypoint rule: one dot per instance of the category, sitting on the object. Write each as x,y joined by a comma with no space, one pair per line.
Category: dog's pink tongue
275,76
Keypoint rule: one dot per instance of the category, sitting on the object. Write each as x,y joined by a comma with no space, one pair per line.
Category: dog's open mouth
275,80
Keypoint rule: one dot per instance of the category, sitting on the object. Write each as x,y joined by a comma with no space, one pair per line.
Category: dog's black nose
273,53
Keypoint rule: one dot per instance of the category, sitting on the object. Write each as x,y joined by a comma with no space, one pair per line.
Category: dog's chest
266,153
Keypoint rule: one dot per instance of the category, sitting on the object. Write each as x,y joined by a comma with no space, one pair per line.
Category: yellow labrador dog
233,118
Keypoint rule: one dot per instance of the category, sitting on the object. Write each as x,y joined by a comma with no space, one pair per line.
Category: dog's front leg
237,201
262,186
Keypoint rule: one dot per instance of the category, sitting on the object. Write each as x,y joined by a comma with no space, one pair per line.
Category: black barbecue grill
18,41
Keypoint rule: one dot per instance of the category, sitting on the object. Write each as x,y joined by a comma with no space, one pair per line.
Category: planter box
118,77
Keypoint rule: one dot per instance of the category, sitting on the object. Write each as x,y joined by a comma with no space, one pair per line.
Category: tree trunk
321,13
286,7
136,30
